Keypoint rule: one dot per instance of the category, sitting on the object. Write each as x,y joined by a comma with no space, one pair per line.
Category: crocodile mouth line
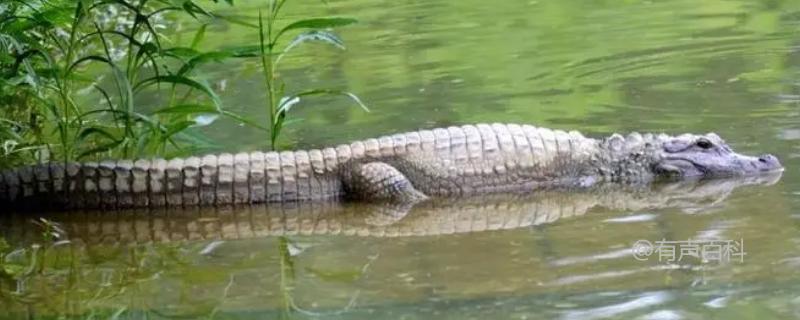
676,167
702,171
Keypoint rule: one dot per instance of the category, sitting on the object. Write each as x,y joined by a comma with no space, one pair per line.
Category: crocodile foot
379,181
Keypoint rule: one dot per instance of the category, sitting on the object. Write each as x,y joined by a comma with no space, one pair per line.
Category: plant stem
287,276
63,85
266,47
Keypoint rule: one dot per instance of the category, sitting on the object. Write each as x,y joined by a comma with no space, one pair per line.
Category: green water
731,67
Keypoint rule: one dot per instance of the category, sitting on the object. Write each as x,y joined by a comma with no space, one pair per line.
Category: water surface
598,67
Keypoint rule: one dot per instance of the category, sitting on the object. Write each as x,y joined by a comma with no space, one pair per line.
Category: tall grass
72,74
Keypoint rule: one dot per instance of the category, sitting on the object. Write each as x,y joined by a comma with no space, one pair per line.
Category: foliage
95,78
313,30
72,73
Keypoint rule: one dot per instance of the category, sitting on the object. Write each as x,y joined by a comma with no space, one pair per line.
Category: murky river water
731,67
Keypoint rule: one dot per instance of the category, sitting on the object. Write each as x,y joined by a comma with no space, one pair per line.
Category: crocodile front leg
378,181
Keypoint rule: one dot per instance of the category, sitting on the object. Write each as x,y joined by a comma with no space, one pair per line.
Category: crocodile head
704,156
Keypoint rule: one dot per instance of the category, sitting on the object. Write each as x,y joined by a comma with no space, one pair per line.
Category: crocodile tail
210,180
58,185
39,185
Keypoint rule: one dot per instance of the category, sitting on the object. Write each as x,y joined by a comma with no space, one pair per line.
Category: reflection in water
433,217
163,259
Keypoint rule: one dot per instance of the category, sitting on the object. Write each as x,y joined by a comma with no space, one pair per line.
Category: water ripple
634,218
663,315
643,301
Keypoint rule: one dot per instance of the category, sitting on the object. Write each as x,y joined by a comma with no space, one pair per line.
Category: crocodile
407,167
441,216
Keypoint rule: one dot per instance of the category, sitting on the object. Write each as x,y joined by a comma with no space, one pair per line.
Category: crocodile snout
768,162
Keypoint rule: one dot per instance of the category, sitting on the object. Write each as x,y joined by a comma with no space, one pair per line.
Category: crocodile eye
704,143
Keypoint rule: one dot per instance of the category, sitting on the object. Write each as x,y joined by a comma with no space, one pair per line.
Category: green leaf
102,33
180,52
277,125
85,133
86,59
202,115
193,9
198,36
317,23
313,35
242,119
105,95
176,128
121,80
126,91
100,149
286,103
187,109
200,59
150,28
289,101
84,6
148,49
119,113
196,141
178,79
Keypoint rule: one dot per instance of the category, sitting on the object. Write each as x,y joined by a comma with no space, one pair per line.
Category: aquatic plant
71,75
278,103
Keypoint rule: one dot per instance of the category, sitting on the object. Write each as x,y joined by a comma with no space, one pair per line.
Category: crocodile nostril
768,161
767,158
